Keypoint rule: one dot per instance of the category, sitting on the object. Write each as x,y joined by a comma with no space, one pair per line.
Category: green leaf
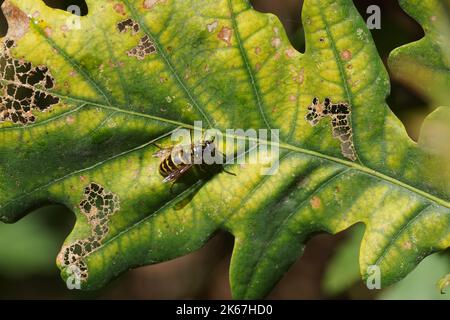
342,274
231,67
434,138
444,283
425,65
421,283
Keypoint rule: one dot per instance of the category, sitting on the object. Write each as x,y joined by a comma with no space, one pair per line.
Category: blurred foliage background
328,269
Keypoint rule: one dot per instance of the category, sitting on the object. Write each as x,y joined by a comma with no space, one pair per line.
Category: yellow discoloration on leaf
114,108
444,283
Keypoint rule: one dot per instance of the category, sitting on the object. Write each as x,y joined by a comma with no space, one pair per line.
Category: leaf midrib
287,146
281,145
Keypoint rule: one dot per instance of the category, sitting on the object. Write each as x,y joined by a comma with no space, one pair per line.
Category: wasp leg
229,172
158,146
171,187
162,152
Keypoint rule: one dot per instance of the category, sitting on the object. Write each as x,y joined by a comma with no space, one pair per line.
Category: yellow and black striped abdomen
167,166
176,160
179,160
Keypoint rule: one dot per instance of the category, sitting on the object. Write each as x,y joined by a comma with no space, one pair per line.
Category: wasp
180,159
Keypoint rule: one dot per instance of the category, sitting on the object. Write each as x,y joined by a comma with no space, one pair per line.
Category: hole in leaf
397,29
23,93
97,206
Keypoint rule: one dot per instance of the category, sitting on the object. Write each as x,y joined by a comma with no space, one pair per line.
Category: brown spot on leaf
407,245
315,202
48,31
225,35
346,55
290,53
276,42
18,21
119,8
149,4
70,120
298,76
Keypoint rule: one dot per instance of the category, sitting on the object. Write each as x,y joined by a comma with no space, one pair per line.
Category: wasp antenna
230,173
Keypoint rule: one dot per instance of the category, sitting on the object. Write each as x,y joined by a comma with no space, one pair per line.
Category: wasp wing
163,153
174,175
